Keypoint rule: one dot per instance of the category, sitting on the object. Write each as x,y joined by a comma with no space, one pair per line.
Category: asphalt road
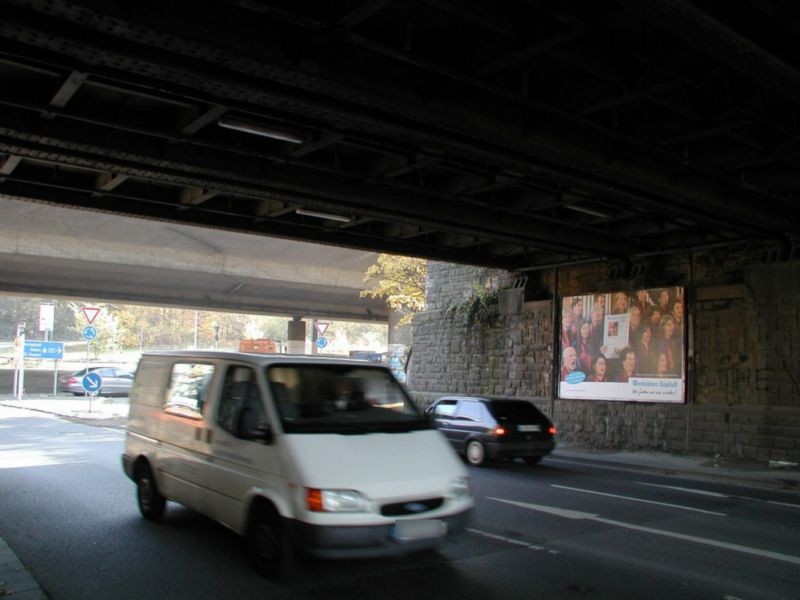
562,529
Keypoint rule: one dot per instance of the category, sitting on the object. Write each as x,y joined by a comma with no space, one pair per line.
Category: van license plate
530,427
421,529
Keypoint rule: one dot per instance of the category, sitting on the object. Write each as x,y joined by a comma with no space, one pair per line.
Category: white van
327,455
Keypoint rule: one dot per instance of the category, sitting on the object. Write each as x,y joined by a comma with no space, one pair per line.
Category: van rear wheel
151,502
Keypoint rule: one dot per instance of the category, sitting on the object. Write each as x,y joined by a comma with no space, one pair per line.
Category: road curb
16,582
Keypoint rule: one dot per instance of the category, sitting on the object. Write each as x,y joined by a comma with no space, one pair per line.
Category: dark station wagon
482,428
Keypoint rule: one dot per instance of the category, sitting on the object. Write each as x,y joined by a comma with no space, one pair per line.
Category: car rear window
507,410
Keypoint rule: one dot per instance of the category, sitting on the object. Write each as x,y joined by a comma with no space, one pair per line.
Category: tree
14,310
401,280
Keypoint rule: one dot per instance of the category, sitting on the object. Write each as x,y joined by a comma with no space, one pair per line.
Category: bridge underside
48,251
513,134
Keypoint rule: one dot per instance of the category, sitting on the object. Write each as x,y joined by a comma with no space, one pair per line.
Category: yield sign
90,312
321,328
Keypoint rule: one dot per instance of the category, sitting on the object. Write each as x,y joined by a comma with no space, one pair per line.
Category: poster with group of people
623,346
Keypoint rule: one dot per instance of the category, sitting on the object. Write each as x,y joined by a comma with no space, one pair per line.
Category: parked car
482,428
116,381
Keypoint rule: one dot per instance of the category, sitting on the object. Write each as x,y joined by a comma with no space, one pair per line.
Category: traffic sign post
90,333
90,312
92,383
47,319
19,361
46,350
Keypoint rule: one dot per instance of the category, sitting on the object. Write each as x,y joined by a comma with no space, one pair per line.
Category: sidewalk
731,470
110,412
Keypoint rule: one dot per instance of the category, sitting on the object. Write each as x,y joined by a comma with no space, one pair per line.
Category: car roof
484,399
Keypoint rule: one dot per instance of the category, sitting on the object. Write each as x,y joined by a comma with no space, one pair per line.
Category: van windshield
342,399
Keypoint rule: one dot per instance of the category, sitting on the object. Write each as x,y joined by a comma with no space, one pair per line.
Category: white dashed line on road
574,514
679,506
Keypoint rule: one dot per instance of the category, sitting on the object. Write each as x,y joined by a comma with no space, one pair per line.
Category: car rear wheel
151,502
476,453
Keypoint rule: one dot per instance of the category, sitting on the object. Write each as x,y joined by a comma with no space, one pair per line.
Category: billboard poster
624,346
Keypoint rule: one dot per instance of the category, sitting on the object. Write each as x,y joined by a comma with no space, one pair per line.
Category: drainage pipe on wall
556,353
688,306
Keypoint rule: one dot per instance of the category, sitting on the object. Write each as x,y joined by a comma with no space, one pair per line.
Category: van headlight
459,488
336,501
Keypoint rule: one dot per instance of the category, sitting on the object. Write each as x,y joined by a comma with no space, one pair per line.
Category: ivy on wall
479,309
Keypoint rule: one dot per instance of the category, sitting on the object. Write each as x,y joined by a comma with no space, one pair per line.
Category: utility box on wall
510,300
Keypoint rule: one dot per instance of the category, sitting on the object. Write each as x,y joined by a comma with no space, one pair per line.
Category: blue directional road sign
49,350
321,342
92,382
89,332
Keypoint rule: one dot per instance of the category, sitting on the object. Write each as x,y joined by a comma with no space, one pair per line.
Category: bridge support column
399,346
398,334
296,337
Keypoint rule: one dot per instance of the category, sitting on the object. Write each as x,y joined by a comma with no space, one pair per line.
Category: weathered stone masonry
743,372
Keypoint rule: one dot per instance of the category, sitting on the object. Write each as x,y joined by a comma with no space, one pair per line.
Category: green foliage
159,327
401,281
480,309
14,310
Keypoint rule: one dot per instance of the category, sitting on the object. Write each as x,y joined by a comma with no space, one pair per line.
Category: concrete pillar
399,346
296,337
398,334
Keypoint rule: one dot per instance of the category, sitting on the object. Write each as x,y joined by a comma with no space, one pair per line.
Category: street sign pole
19,371
89,333
85,391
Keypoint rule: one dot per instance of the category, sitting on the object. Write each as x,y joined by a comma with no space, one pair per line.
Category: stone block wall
743,366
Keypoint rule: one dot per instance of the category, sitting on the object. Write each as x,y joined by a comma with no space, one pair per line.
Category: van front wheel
269,544
151,502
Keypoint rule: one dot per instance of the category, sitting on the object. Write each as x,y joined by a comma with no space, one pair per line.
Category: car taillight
72,380
499,431
551,430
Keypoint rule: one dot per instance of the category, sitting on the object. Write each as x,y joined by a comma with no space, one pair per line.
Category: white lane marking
783,504
501,538
627,469
494,536
573,514
707,512
718,495
685,489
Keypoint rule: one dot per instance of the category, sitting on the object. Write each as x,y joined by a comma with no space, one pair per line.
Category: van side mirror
262,433
249,429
